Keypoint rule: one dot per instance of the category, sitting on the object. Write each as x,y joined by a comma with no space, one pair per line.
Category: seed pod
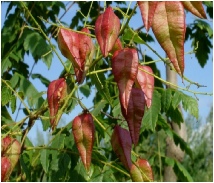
135,113
6,168
107,28
68,42
83,130
124,68
147,10
11,148
141,171
117,46
145,81
57,90
121,144
86,52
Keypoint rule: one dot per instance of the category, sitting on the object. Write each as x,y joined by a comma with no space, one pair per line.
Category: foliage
33,29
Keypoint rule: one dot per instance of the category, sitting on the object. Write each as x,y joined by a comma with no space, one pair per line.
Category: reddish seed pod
124,68
6,168
57,90
83,130
147,10
78,48
68,42
117,46
141,171
135,113
107,28
11,148
121,144
145,81
86,52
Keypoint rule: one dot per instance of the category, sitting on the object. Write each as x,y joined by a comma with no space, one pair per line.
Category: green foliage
30,29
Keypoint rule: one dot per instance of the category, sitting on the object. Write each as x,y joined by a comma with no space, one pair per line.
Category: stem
159,158
129,18
176,86
88,13
97,71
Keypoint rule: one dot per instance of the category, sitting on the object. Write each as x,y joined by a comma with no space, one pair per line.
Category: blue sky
193,71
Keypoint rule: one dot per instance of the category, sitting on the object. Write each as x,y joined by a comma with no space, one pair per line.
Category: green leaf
169,161
13,103
166,97
44,159
162,124
64,165
98,106
190,104
85,90
183,145
79,172
117,108
102,87
175,115
44,80
176,99
37,45
46,121
131,35
151,115
30,92
5,65
5,95
14,81
182,173
58,141
25,164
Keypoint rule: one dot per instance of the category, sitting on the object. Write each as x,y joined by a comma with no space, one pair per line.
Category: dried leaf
121,144
107,27
169,29
125,68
